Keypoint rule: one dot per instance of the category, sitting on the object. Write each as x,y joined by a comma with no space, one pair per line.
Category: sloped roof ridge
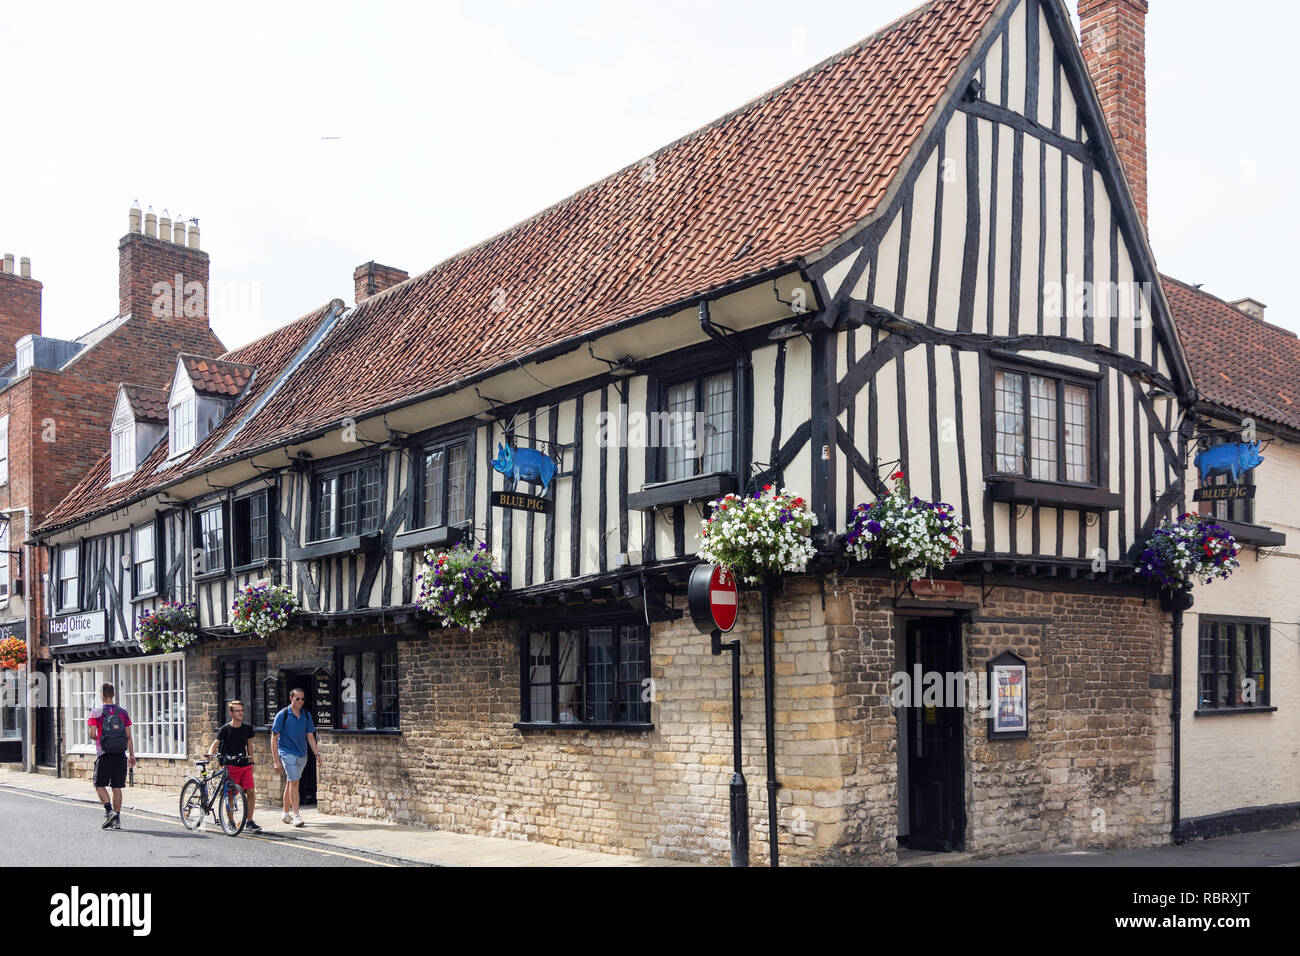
746,107
1226,304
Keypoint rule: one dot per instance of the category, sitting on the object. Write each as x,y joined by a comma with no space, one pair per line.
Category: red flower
897,475
767,487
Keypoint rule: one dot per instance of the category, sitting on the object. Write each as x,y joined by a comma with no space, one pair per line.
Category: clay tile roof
269,354
1237,361
147,404
216,377
779,179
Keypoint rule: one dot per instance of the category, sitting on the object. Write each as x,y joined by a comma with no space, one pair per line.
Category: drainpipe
27,568
769,677
1176,715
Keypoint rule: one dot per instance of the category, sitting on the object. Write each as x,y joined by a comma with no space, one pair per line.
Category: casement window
26,355
1238,509
67,595
586,675
443,498
367,686
349,501
209,540
11,705
252,529
152,690
144,546
123,444
1044,426
4,449
1232,666
696,427
242,680
182,432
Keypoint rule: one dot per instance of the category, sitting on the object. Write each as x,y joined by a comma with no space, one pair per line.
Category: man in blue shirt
291,734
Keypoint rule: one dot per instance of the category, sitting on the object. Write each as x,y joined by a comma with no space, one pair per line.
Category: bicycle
216,794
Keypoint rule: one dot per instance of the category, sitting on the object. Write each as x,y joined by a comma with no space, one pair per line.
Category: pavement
345,835
1265,848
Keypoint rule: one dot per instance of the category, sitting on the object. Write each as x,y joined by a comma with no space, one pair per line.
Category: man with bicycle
232,743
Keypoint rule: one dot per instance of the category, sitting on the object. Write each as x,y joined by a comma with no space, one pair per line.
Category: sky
309,138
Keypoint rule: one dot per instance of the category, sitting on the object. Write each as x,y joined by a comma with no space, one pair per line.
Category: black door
45,715
307,783
936,813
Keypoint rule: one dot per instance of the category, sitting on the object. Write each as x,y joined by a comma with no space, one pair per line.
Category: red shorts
242,776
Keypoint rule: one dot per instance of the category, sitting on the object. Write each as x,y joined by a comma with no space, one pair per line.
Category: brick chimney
20,304
372,277
1112,34
162,273
1252,307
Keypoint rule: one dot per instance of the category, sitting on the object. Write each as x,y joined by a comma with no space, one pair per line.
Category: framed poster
1008,697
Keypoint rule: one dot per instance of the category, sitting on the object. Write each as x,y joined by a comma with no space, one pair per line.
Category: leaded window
596,674
1232,663
444,498
1043,427
349,502
697,427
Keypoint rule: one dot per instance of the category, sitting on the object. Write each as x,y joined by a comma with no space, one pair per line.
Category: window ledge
682,491
147,596
360,733
260,565
1225,711
348,544
581,725
1256,534
211,575
1027,491
426,537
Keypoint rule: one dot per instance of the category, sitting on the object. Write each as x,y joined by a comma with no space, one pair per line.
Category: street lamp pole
739,794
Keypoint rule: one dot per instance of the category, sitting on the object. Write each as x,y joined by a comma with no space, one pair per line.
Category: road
37,830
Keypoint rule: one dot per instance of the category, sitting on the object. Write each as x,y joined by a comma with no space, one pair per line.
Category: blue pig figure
1233,459
526,463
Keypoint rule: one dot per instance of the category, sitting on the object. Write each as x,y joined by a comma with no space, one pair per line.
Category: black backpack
112,730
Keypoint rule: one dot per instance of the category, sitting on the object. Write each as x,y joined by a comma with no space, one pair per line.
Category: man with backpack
110,726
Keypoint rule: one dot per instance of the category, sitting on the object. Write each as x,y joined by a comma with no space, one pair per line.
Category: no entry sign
713,598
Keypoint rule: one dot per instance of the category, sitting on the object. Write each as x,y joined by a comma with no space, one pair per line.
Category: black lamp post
739,795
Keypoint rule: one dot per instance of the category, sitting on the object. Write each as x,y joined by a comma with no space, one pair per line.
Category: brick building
56,401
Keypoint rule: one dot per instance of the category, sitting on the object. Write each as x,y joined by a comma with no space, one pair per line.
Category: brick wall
20,312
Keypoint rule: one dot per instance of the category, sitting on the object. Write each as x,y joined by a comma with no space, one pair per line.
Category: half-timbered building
920,255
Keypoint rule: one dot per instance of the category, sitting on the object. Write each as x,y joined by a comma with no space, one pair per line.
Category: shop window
11,705
1043,426
348,501
151,690
367,695
242,680
586,675
443,498
252,529
1232,664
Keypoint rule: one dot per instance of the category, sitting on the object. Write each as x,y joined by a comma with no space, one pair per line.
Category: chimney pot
133,217
178,231
164,226
8,261
194,235
151,224
25,267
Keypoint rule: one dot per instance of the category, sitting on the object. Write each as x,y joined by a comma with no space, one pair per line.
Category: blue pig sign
1233,459
527,465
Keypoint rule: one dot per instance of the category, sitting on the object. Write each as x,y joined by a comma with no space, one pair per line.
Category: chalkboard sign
271,696
324,703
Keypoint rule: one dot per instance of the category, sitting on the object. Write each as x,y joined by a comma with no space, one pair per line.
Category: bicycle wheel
192,809
232,809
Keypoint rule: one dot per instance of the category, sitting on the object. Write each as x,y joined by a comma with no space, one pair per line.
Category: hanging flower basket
1191,550
916,537
263,609
752,537
170,628
13,653
460,586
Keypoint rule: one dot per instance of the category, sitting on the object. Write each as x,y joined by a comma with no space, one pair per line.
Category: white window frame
59,578
11,700
4,449
123,451
4,564
152,691
182,414
25,355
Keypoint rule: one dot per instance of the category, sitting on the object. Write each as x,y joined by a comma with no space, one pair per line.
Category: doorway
44,717
931,725
307,783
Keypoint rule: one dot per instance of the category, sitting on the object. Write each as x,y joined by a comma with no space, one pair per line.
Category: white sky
458,120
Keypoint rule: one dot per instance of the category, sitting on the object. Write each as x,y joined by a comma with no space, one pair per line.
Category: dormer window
124,450
26,354
182,426
202,394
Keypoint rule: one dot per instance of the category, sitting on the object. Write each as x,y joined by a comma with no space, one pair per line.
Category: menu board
271,697
323,710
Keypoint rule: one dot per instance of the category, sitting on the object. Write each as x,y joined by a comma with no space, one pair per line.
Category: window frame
695,374
252,659
332,473
118,441
4,564
419,518
381,648
59,579
147,726
196,529
552,630
191,405
136,593
241,530
1062,375
1210,622
4,449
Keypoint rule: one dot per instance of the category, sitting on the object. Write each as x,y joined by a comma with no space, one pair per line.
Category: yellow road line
291,842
